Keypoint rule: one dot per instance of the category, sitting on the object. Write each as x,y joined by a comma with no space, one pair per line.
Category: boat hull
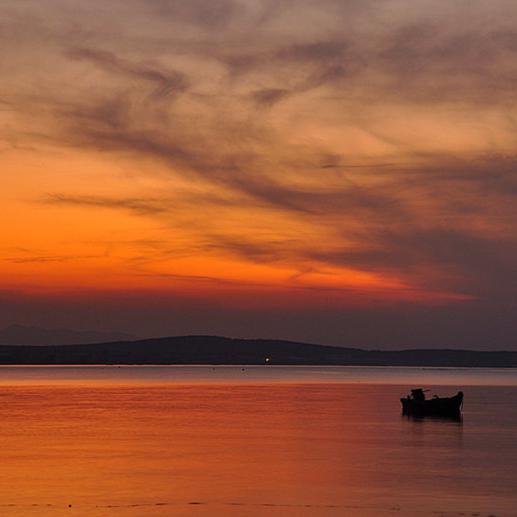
438,406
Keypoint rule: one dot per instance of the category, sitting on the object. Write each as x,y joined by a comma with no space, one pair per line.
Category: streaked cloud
137,206
310,144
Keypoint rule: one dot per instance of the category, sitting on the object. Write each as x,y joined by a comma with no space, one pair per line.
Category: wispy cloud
43,259
137,206
385,132
167,81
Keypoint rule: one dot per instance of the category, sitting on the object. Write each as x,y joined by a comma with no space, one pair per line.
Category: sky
340,171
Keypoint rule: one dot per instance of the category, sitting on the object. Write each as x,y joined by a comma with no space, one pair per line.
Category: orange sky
259,154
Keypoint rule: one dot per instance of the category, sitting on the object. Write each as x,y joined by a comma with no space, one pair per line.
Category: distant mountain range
220,350
24,335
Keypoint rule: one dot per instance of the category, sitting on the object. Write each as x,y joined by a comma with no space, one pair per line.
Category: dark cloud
138,206
167,81
269,96
478,265
319,51
31,259
432,65
215,14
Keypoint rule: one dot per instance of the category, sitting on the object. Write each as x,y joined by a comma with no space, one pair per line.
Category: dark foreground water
255,441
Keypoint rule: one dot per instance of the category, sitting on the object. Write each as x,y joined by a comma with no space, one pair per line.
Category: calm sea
259,441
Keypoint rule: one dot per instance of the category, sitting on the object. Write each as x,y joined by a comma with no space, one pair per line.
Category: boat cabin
418,394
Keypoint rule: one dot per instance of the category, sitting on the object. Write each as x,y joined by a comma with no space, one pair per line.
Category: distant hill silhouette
25,335
220,350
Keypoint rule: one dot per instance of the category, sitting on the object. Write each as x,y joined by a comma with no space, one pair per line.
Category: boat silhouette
416,404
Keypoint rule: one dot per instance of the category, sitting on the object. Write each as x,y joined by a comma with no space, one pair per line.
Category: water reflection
269,449
455,419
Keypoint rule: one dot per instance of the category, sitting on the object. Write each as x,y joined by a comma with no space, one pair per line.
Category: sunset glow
323,156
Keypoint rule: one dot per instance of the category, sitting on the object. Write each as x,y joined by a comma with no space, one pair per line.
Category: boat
417,405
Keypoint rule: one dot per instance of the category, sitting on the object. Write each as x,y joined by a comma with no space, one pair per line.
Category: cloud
214,15
137,206
35,259
269,96
167,81
373,136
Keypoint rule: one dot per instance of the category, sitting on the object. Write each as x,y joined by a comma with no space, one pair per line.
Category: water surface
260,441
144,374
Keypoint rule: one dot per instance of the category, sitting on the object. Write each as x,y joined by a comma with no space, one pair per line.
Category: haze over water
254,441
